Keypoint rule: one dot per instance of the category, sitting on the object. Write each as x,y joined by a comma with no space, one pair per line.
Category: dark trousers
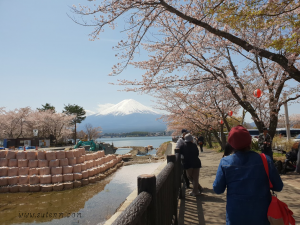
201,147
268,152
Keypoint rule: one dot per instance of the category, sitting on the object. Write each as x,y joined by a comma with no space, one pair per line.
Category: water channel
91,204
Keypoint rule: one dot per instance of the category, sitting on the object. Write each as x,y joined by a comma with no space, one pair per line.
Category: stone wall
51,170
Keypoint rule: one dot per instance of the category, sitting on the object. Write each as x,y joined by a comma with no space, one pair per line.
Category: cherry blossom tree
13,123
92,132
191,43
21,122
268,29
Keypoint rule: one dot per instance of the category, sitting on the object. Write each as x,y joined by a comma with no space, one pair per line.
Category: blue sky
47,58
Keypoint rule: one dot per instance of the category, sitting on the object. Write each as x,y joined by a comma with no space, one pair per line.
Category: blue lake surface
136,141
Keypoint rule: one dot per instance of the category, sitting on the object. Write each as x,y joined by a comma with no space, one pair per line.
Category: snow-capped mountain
126,116
126,107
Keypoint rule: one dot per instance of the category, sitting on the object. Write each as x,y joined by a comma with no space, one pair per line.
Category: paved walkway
210,208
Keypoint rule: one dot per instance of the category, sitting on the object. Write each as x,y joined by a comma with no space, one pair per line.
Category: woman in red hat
244,176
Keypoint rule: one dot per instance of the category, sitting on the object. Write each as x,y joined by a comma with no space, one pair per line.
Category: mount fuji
126,116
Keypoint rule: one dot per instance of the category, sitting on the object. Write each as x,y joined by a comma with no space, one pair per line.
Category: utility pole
287,121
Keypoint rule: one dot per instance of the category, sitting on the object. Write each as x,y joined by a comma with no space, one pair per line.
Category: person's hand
265,142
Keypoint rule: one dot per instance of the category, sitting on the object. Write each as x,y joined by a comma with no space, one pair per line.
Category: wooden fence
157,200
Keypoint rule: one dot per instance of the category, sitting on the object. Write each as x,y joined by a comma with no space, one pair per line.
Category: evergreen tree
76,111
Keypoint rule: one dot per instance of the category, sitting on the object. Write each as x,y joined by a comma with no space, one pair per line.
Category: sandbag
77,168
13,180
94,163
14,189
91,172
57,178
21,155
32,163
56,170
92,179
34,179
34,188
23,171
3,171
22,162
33,171
43,163
31,155
67,169
3,162
90,164
41,155
12,163
72,161
69,154
82,150
60,155
76,153
68,177
85,174
79,160
84,182
58,187
3,153
11,154
77,176
23,180
44,171
77,183
12,171
68,185
24,188
45,179
46,188
83,166
4,181
4,189
102,168
50,155
54,163
88,157
63,162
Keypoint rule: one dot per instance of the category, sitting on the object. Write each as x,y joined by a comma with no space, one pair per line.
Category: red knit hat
239,137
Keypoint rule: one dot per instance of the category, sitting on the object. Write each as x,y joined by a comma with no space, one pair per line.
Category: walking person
298,161
192,163
265,143
200,142
179,143
244,176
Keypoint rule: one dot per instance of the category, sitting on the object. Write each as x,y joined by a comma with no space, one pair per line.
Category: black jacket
190,153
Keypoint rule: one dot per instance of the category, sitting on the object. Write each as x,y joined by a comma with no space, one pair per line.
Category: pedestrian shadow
198,210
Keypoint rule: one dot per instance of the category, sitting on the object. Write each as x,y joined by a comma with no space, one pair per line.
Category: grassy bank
162,148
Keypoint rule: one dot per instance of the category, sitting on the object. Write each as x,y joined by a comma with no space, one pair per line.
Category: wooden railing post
147,183
172,158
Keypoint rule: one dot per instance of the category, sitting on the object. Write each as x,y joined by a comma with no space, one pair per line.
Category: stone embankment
33,171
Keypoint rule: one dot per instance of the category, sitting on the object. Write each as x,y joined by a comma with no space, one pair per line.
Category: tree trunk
208,134
223,138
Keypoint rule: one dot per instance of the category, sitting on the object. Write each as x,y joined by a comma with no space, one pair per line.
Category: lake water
136,141
91,204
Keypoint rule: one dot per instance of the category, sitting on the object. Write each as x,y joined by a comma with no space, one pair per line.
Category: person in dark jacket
179,143
247,183
192,163
298,161
200,141
265,143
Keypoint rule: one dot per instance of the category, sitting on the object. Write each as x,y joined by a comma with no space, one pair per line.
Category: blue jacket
248,192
